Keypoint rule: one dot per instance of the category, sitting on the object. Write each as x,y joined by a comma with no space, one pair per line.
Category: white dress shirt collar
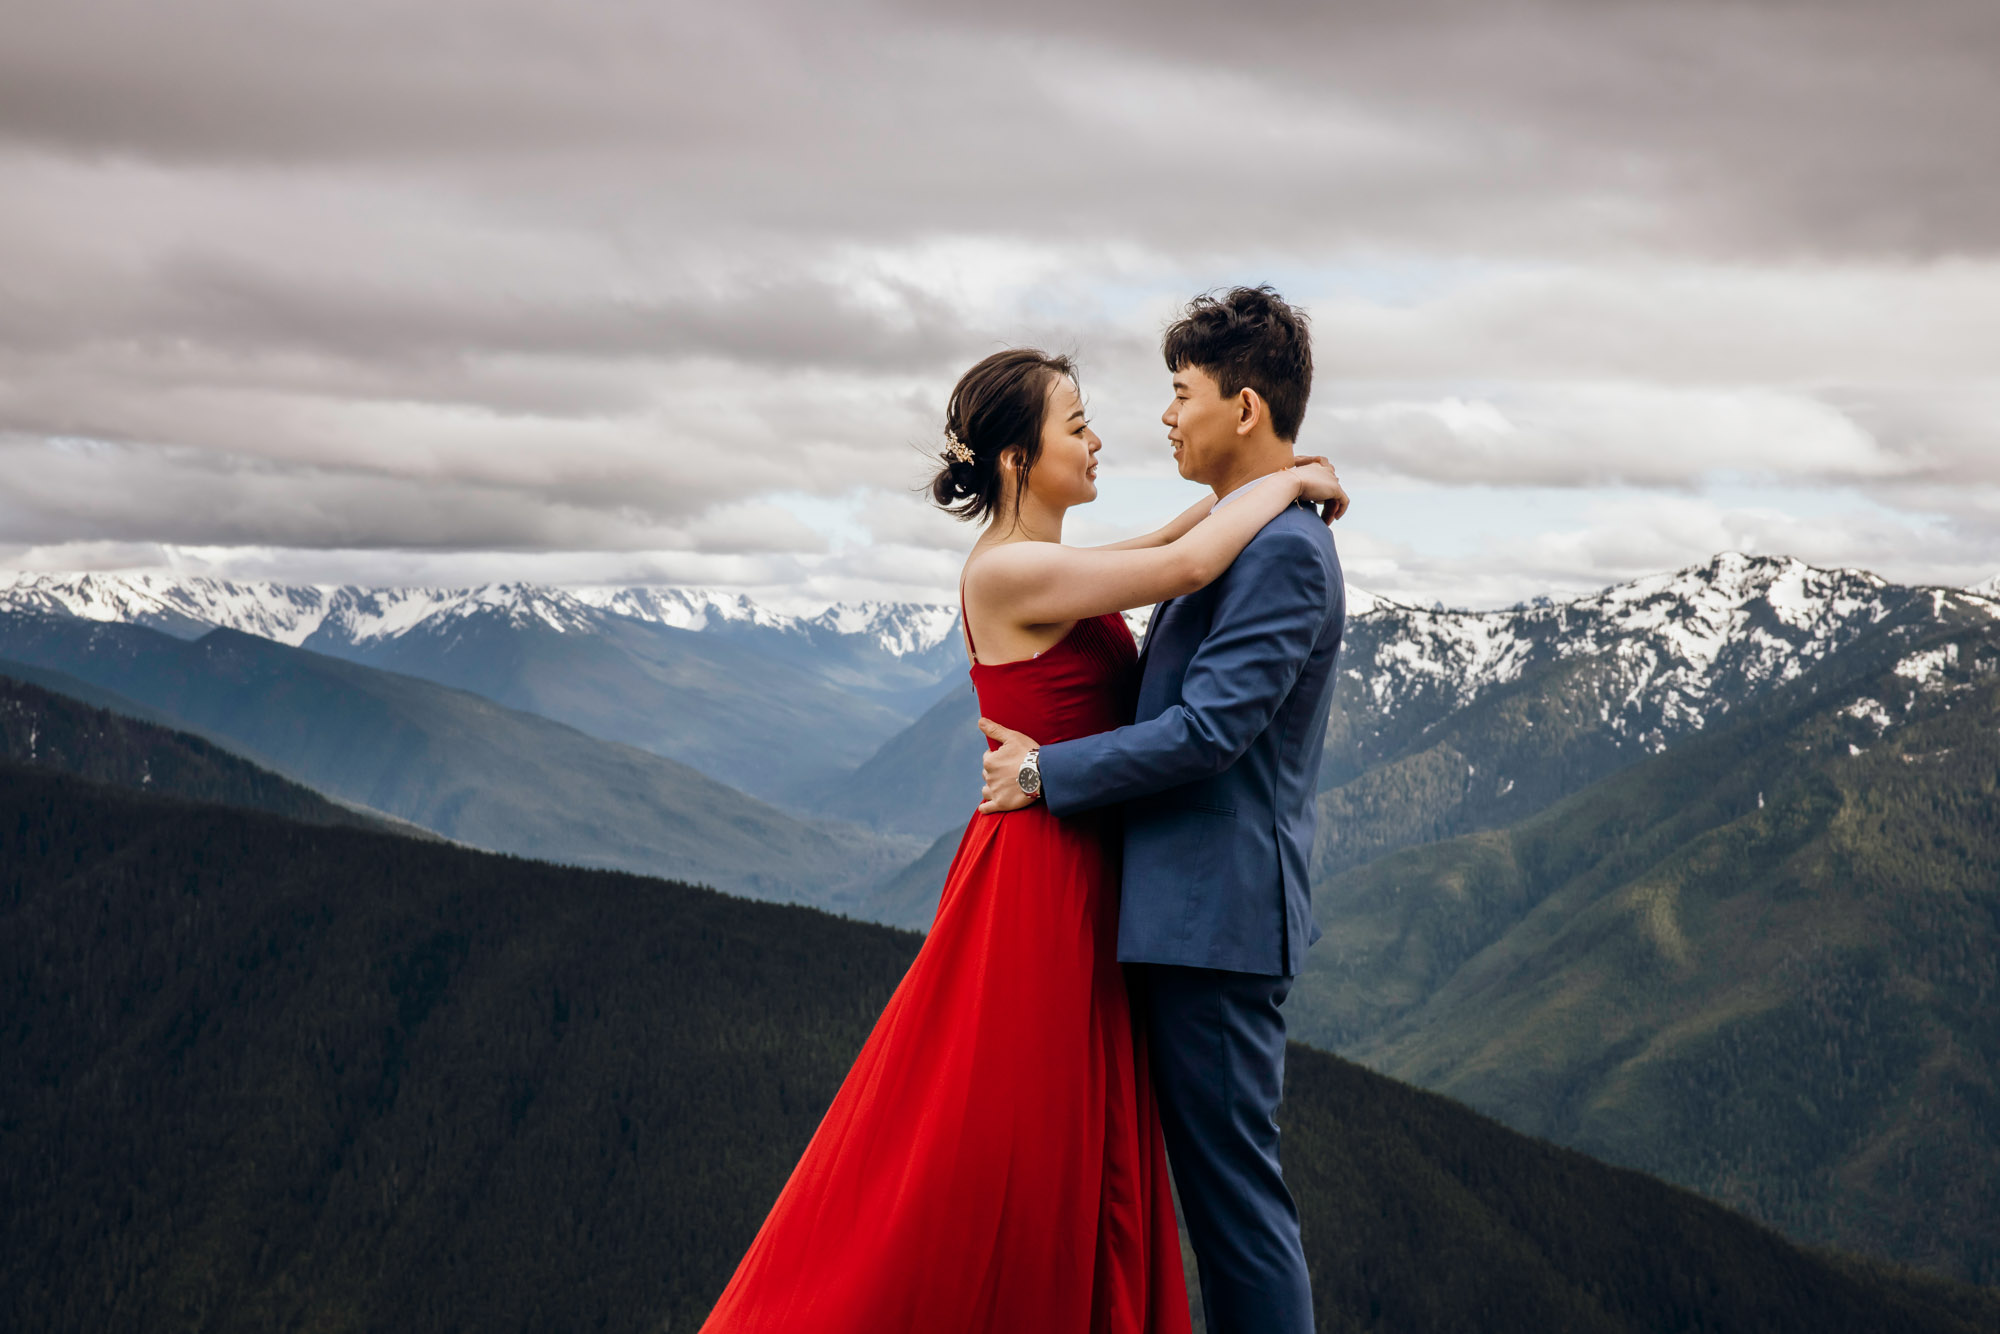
1254,481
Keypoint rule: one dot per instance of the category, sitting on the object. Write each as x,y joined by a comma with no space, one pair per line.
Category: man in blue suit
1217,780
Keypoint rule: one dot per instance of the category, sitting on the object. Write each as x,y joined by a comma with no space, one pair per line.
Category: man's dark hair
1248,338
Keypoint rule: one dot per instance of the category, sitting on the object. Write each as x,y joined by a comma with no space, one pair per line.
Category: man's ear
1249,410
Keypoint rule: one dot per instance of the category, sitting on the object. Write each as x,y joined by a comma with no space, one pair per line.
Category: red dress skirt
993,1161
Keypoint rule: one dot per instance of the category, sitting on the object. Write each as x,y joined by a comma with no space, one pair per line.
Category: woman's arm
1044,583
1178,526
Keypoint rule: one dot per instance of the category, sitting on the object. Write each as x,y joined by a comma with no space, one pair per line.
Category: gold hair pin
955,448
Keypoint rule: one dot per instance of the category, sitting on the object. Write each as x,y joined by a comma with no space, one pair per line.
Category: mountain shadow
261,1074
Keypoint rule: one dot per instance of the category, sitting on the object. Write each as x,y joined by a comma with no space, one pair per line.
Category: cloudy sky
653,292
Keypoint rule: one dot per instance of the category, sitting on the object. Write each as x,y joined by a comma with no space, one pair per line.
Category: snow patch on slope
1927,667
1869,711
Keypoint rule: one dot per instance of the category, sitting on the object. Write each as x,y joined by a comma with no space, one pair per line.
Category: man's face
1201,426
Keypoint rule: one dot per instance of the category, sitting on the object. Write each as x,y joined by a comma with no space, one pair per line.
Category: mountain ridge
763,702
46,726
1442,722
452,761
354,615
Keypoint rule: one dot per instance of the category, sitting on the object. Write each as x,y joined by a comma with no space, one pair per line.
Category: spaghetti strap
965,622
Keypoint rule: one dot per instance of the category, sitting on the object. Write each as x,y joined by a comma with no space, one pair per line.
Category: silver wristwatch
1031,773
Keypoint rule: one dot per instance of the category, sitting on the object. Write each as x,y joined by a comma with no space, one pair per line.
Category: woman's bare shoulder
1007,563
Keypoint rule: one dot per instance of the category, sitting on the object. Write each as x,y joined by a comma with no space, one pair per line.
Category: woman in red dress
993,1162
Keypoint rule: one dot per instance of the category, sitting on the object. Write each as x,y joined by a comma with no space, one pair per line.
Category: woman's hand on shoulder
1319,483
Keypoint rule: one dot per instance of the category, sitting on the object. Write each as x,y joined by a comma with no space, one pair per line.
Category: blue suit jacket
1219,775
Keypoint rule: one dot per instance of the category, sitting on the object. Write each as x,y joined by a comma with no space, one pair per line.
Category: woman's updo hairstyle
997,405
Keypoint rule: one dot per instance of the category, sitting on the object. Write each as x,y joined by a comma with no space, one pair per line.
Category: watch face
1031,780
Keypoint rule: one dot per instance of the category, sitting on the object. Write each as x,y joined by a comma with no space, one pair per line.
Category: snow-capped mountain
1681,646
184,606
759,699
766,700
1687,637
350,616
685,608
1448,721
900,629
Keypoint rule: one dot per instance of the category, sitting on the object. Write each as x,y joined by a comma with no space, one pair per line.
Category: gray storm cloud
1833,127
518,278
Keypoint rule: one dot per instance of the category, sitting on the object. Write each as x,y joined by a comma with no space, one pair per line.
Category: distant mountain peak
682,608
190,605
901,628
1699,609
179,604
1677,647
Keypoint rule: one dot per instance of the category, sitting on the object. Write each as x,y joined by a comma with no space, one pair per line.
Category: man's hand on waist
1002,769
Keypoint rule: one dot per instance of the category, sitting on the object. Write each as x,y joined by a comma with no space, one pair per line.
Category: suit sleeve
1266,620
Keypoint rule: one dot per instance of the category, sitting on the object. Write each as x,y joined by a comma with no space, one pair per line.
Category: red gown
993,1161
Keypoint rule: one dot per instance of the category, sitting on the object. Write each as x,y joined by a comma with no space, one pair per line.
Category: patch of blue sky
835,518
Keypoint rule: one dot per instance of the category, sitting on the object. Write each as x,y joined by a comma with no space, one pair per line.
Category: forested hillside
1765,964
259,1074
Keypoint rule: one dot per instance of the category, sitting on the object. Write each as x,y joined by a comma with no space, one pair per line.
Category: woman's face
1066,473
